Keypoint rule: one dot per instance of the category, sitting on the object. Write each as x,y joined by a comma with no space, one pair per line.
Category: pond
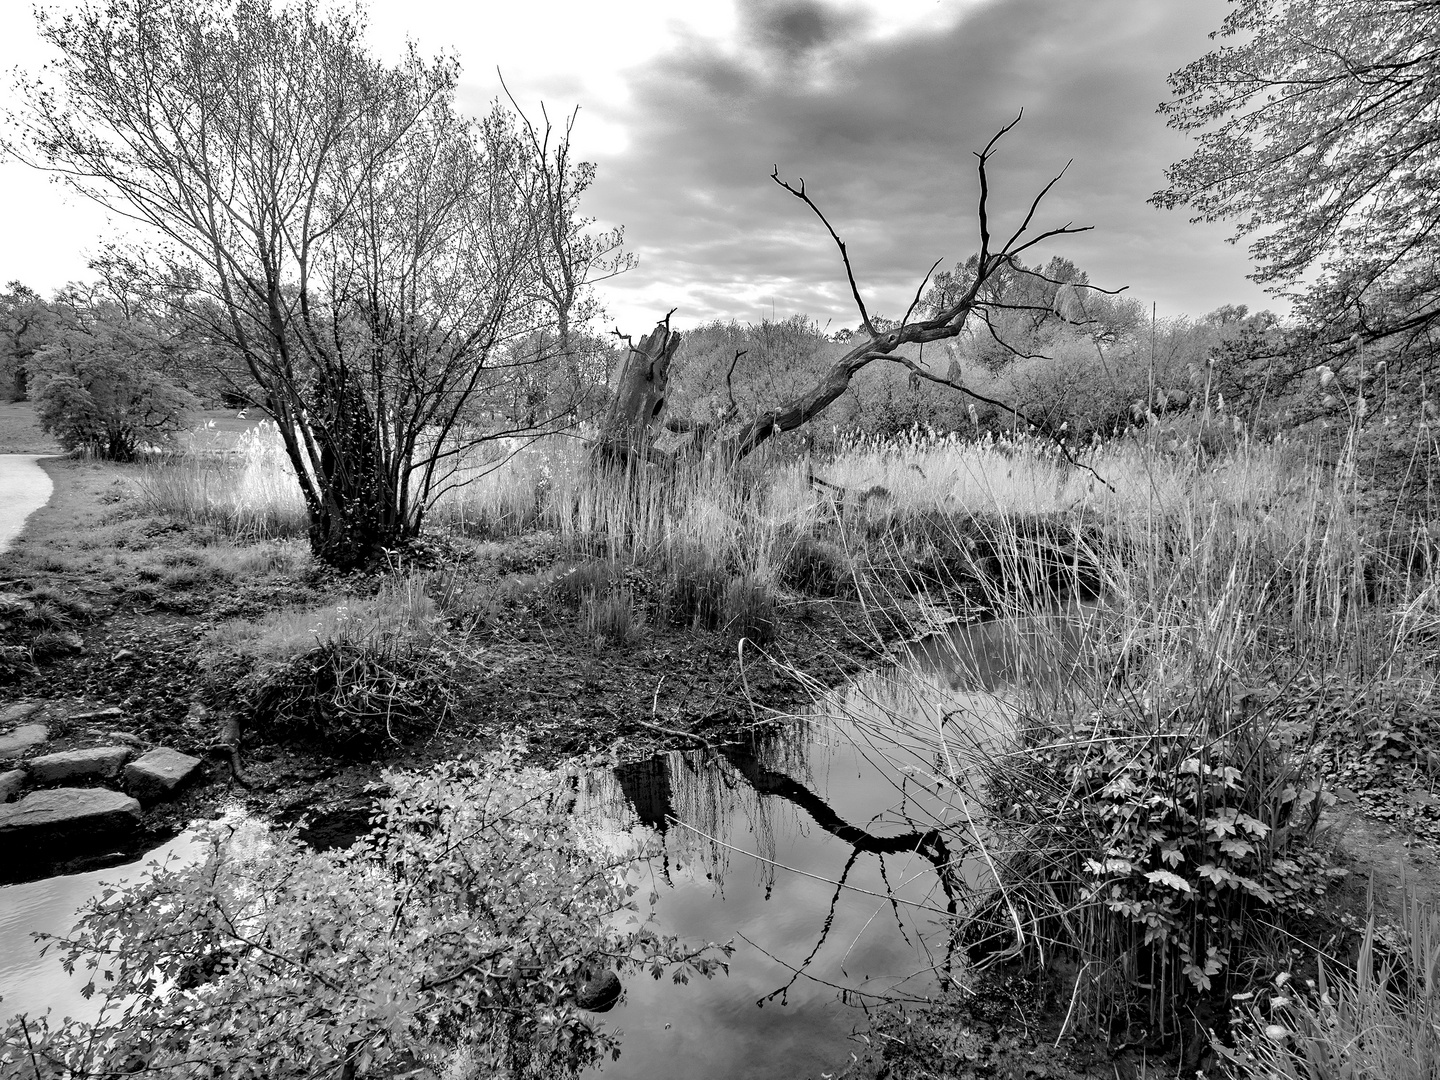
831,851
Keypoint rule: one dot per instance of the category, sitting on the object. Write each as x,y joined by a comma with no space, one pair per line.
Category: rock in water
599,992
64,816
159,774
79,764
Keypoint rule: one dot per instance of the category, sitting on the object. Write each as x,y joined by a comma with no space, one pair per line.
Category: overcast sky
878,105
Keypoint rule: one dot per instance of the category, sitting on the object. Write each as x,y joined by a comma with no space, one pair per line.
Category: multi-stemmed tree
382,265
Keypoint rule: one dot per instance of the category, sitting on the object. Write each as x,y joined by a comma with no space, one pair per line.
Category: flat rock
110,712
97,761
11,781
21,710
76,815
159,773
25,737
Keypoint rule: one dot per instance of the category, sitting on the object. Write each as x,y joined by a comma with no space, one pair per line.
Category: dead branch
844,255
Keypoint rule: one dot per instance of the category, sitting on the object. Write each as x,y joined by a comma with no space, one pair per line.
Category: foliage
381,264
467,918
1315,128
345,676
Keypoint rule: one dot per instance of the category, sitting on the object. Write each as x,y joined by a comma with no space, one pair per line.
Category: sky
879,105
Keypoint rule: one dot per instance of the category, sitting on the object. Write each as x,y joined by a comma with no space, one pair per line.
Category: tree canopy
1317,126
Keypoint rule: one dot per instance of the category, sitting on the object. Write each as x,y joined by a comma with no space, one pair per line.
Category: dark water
831,853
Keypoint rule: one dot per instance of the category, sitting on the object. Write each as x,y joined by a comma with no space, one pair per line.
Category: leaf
1169,880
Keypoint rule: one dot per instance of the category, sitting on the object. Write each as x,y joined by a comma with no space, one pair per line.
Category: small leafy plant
1154,849
465,923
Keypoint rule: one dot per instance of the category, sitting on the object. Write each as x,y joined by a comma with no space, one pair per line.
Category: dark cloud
797,29
882,131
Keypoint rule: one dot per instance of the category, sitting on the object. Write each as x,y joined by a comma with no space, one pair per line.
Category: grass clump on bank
349,674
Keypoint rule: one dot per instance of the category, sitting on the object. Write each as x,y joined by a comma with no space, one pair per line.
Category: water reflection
835,851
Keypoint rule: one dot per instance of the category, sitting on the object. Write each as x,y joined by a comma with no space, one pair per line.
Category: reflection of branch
930,843
834,986
784,991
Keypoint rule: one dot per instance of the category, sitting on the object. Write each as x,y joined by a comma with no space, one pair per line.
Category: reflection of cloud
882,131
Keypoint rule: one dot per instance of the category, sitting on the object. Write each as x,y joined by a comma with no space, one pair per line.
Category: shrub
1153,844
465,921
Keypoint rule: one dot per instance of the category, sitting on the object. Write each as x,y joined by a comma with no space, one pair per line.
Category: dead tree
946,317
633,420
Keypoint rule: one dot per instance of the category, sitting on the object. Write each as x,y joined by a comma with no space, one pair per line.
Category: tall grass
1379,1021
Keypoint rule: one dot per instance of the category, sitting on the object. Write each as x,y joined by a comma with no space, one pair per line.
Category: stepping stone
97,761
25,737
11,782
158,774
73,815
13,714
112,712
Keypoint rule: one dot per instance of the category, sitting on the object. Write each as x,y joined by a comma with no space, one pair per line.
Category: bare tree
937,316
378,261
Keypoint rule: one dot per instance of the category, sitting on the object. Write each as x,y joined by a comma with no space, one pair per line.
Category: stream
826,851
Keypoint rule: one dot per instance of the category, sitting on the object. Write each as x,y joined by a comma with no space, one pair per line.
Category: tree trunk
633,420
356,513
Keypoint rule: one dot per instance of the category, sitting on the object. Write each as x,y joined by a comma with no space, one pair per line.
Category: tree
1323,140
367,252
103,387
25,322
944,317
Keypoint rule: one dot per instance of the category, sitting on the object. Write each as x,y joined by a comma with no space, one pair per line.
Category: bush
463,924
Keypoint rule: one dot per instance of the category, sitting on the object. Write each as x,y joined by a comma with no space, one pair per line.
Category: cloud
883,133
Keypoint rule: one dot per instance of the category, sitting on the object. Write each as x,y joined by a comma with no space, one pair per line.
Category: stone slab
21,710
11,782
97,761
75,815
159,773
25,737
